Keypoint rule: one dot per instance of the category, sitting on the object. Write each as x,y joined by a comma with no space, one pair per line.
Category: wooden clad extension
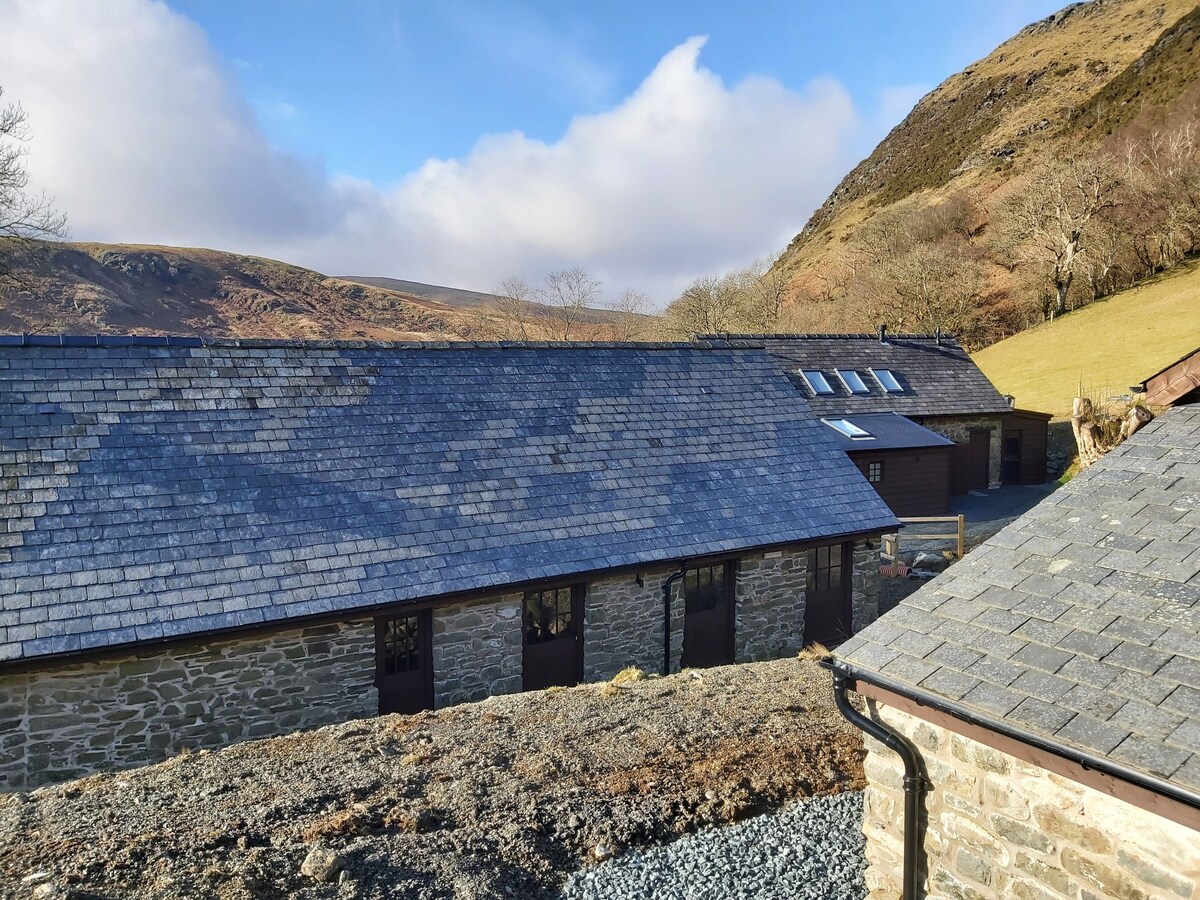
1023,447
912,482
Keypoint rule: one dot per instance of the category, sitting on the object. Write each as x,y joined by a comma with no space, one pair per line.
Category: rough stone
321,864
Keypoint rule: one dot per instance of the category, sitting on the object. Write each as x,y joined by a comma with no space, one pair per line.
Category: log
1134,419
1084,430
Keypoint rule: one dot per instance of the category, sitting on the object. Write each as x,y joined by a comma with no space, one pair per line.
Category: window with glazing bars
548,615
825,567
704,587
875,472
401,645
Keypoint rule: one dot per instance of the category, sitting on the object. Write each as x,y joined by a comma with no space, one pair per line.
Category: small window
401,645
548,615
887,381
875,472
853,381
846,428
816,381
704,588
824,568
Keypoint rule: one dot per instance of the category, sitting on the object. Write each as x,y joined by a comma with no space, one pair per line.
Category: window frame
875,471
571,595
888,373
844,377
848,429
825,389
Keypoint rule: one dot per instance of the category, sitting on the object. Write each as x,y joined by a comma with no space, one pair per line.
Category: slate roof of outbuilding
938,376
1079,622
154,491
889,431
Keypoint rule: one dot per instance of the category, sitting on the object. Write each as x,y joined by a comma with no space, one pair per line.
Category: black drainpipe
915,782
671,579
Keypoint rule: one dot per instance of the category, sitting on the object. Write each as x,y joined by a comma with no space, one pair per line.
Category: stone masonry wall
865,584
770,605
624,625
69,721
1000,827
477,650
958,429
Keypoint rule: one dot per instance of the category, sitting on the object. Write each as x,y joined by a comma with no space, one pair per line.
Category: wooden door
552,652
828,613
1010,467
708,621
979,459
404,662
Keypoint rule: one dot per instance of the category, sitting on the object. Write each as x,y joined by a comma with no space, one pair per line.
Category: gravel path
811,849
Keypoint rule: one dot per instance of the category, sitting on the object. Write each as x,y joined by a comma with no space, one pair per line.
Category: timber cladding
911,482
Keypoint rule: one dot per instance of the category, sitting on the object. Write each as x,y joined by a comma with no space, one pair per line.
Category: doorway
708,621
828,611
404,662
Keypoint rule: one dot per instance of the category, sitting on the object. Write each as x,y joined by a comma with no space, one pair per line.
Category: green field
1106,347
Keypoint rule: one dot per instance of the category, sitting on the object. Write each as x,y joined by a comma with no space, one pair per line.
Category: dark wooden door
828,613
1011,463
404,662
553,638
979,459
708,621
970,464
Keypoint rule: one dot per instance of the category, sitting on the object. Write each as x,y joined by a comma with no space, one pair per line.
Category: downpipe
915,782
666,590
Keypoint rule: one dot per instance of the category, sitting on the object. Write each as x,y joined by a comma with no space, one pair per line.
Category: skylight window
816,381
848,429
887,381
852,380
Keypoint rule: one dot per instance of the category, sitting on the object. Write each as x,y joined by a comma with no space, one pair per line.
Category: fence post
961,536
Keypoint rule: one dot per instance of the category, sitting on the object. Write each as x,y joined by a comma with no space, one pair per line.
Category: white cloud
142,136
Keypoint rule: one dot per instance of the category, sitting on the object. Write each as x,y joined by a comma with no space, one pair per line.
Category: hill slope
123,288
1107,346
1095,72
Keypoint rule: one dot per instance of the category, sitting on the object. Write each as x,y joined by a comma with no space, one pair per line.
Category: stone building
1046,690
930,380
210,541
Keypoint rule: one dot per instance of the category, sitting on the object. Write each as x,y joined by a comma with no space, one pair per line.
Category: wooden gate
828,613
404,662
553,638
708,621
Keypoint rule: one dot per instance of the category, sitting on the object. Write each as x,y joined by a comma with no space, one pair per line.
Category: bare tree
1049,220
566,296
709,305
633,319
514,310
23,216
764,292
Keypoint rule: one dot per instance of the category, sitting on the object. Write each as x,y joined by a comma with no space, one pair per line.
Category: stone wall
864,596
770,605
71,720
958,429
477,650
624,625
1000,827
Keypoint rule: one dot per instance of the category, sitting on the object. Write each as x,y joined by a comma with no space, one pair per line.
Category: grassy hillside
1107,346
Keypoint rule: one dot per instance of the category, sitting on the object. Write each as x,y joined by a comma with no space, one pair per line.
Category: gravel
499,799
810,849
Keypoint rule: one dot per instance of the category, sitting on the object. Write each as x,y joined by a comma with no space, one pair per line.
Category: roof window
816,381
887,381
852,380
846,428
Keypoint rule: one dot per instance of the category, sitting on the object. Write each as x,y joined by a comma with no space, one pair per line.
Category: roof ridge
874,336
147,340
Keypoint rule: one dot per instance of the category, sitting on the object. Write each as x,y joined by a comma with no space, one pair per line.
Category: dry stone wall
770,605
624,625
864,599
115,713
477,650
1000,827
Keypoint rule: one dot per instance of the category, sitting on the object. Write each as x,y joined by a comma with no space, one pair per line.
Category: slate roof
153,490
889,431
1079,622
938,376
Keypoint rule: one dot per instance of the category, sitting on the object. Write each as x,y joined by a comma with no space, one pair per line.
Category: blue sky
463,143
377,87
